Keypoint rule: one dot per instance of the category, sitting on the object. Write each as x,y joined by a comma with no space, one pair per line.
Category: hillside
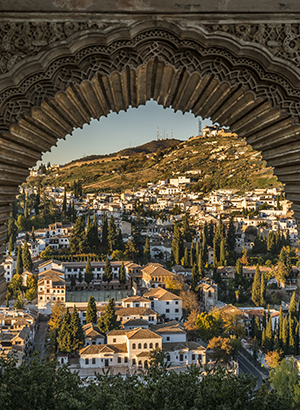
147,148
222,161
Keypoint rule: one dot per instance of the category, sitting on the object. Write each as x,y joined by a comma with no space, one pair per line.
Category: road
39,339
248,368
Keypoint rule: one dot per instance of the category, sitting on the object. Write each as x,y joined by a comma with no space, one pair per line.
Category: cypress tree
64,334
291,347
122,274
264,320
239,278
186,228
257,329
280,324
108,321
95,233
210,236
255,292
231,236
262,291
195,277
11,245
107,276
77,335
19,268
78,239
263,338
223,252
112,237
271,245
285,335
215,258
197,249
293,306
91,311
177,245
200,266
204,248
269,336
104,231
186,258
26,258
253,325
120,243
88,275
64,205
146,254
80,278
192,254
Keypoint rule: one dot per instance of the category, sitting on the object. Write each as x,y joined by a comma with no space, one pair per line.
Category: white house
165,303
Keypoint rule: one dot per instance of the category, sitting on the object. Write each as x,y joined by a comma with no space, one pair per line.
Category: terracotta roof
174,346
168,328
155,269
135,322
140,333
143,354
135,299
96,349
135,311
161,294
91,330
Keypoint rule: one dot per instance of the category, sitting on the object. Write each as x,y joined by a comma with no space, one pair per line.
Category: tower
157,134
199,126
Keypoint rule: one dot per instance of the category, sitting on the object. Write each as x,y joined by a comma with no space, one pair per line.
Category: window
151,346
119,360
133,362
176,310
86,361
168,338
125,359
145,345
156,344
176,303
193,357
167,303
93,361
139,345
168,358
114,340
128,305
167,310
133,346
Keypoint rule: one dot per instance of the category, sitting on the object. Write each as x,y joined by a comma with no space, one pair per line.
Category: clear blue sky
117,131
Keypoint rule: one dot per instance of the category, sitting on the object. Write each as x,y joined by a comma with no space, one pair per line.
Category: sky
126,129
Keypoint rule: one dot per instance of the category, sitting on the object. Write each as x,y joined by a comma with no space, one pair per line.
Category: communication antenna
161,135
157,134
199,126
171,134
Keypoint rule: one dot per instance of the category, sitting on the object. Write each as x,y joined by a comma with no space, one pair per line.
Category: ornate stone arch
72,72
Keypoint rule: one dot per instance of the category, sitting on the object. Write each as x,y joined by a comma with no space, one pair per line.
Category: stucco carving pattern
21,39
282,40
179,53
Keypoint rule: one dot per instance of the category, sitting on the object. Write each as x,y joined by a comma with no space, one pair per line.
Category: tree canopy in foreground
39,385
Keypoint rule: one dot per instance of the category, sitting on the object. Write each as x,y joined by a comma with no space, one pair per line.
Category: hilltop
147,148
215,162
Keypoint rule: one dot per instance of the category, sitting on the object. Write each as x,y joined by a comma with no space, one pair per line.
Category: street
39,340
248,368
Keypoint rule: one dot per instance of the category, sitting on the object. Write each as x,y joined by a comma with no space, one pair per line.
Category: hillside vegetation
222,161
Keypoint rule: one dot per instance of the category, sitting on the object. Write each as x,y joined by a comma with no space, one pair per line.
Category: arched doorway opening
91,74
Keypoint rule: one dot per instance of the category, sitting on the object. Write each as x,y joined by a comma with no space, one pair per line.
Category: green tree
26,258
177,245
20,303
88,275
186,258
147,251
104,231
11,245
31,294
269,336
122,274
293,306
78,239
64,335
262,291
285,381
91,311
77,334
64,205
109,321
256,287
58,310
186,228
107,276
223,251
19,267
111,236
231,236
131,249
239,275
120,243
208,326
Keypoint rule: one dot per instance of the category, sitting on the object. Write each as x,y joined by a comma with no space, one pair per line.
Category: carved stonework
21,39
86,63
281,39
